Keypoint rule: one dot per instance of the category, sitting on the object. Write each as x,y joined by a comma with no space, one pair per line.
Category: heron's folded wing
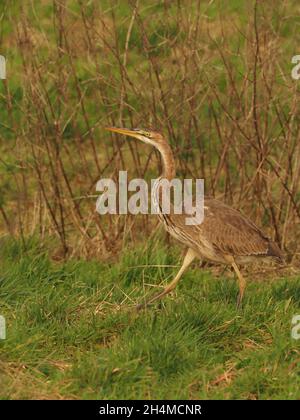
230,232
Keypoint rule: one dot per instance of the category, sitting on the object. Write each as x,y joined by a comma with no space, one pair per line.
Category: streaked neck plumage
169,171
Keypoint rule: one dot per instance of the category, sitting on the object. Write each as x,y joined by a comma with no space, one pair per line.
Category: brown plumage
224,231
225,235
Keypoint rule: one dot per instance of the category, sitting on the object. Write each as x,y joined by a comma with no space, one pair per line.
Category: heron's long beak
125,131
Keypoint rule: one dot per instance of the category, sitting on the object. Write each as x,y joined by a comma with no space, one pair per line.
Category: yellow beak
125,131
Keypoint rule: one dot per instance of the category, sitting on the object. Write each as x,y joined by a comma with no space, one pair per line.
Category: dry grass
214,77
72,334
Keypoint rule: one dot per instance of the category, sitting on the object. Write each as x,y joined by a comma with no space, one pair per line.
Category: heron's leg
240,278
189,257
242,283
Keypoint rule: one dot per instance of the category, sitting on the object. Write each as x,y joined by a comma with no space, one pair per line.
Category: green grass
70,333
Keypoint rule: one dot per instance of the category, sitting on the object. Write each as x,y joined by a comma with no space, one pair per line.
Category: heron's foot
142,306
146,304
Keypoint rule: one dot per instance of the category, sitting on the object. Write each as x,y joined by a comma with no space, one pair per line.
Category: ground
71,332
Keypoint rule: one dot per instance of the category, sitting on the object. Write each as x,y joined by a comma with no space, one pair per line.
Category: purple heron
225,235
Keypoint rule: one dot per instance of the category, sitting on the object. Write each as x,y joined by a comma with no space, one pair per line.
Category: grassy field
70,333
215,78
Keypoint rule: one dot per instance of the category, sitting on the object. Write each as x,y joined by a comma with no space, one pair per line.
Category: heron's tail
275,251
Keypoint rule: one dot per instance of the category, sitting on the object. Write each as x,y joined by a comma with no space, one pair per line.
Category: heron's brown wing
230,232
223,229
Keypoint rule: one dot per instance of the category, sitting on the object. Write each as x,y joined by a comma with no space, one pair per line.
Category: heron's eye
147,134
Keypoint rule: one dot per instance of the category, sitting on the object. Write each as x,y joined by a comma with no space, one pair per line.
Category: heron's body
225,235
224,231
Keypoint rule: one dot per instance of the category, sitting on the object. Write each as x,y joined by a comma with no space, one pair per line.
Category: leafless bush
215,80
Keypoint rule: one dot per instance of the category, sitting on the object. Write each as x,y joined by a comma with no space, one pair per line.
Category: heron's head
150,137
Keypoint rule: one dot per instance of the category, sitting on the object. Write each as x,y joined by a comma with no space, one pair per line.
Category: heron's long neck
167,156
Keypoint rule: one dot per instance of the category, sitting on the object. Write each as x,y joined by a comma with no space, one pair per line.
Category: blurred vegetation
214,76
